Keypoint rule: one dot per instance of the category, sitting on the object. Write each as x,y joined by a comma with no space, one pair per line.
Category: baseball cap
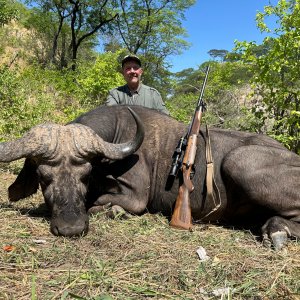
131,57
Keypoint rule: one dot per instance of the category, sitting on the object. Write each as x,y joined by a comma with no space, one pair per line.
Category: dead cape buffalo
110,155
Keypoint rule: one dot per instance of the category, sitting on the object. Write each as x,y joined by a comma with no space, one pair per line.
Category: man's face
132,72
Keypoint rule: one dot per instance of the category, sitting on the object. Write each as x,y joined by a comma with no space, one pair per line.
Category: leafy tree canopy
215,53
8,11
84,18
276,72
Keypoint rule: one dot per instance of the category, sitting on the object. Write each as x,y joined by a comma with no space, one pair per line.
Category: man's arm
111,99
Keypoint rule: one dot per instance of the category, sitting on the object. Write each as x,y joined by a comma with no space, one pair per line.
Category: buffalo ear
26,183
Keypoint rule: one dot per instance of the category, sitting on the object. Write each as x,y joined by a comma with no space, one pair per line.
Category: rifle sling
213,193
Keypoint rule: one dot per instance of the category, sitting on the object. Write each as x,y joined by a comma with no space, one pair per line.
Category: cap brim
131,58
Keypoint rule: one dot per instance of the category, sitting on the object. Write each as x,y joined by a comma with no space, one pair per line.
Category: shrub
96,81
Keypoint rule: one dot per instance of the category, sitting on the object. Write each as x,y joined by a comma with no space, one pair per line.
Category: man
134,92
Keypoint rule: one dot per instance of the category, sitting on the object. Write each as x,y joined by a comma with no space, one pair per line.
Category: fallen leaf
8,248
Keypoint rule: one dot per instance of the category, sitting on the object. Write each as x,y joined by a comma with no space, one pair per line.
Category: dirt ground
139,258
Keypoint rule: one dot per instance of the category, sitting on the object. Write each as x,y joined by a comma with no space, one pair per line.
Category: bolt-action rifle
183,166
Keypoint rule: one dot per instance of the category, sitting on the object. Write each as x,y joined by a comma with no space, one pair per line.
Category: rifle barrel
200,100
200,104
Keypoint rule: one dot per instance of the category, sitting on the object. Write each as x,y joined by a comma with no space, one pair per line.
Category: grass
138,258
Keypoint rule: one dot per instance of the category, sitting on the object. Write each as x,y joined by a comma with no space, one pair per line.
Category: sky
215,24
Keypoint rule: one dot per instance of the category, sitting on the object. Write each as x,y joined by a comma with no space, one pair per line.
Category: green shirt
144,96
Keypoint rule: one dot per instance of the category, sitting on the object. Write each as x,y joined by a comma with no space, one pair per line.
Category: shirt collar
136,92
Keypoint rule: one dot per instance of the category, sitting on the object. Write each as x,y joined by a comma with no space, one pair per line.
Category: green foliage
73,27
61,86
8,85
225,76
19,113
42,26
50,26
96,80
8,11
153,27
276,72
11,35
182,107
35,96
224,107
222,77
218,53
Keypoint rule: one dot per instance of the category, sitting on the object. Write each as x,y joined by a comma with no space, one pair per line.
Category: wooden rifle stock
182,214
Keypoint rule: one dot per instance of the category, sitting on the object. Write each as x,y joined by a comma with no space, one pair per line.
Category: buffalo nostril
70,231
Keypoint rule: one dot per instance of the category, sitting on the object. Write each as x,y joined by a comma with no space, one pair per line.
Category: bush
97,80
35,96
182,107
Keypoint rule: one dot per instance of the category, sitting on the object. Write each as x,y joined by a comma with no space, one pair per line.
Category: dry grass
139,258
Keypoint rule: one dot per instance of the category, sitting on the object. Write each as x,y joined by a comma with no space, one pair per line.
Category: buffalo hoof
266,241
279,239
99,209
117,212
111,211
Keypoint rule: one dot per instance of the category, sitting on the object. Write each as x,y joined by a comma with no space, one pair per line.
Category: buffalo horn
97,146
34,143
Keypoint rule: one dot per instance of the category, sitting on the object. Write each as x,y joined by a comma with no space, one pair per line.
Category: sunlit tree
276,72
8,11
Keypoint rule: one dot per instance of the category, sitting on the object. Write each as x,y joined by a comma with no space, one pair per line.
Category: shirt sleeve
111,99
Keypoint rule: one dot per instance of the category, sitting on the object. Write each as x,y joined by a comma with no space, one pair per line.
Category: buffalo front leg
123,194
